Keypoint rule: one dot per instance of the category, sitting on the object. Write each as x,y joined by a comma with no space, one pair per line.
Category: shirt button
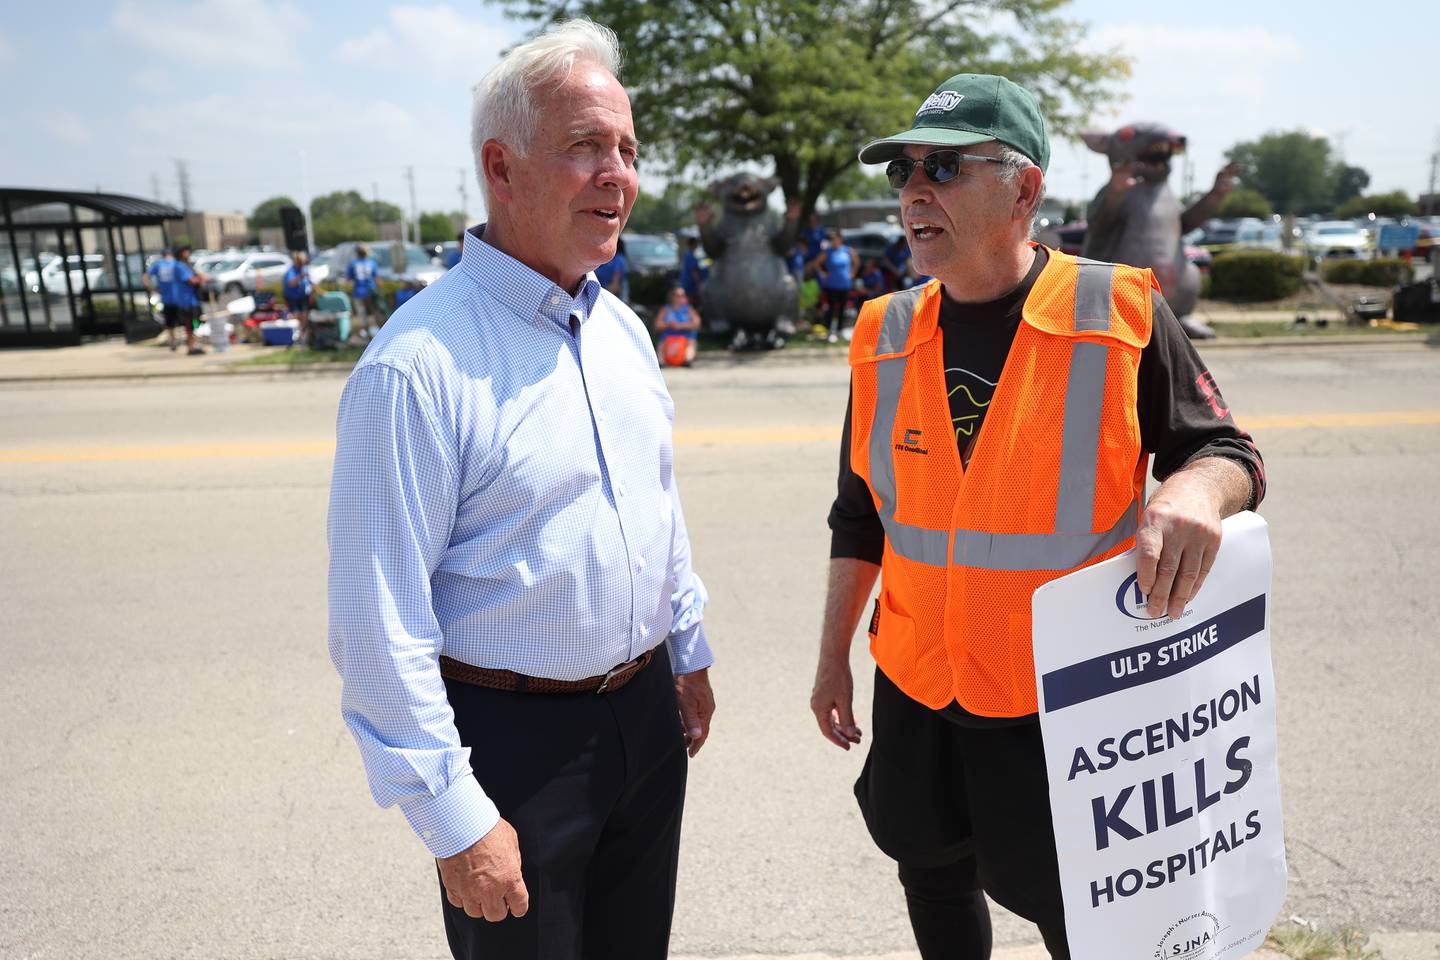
428,834
600,415
644,631
639,563
555,300
620,489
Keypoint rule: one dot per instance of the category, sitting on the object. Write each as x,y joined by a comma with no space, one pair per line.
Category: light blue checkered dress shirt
503,494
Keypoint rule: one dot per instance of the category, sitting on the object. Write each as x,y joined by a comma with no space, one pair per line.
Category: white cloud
66,127
434,39
216,32
150,80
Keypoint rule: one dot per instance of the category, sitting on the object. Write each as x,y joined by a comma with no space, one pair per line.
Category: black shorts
935,793
177,316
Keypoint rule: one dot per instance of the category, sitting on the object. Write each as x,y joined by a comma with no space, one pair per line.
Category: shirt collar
523,289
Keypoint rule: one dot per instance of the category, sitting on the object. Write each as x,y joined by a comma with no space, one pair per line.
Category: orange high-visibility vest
1055,482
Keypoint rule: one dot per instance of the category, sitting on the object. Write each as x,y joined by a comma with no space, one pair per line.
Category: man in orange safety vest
1001,423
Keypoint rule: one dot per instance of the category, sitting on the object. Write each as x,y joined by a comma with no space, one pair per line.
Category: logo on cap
940,102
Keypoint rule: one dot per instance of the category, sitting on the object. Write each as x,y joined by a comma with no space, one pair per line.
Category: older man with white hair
512,607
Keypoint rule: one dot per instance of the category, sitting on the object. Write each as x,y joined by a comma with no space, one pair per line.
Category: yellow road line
714,437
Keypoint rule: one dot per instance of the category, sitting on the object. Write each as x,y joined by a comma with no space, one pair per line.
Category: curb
716,359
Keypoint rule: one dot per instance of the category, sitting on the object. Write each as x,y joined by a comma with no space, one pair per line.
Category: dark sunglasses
941,166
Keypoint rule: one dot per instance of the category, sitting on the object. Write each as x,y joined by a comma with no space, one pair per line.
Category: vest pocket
894,645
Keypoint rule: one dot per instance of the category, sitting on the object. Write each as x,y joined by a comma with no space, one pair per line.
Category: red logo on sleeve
1207,386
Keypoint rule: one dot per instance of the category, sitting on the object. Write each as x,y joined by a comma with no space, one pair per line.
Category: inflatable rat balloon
1137,219
749,288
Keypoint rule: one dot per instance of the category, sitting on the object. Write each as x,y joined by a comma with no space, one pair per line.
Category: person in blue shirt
365,291
873,280
678,320
298,290
814,237
175,280
897,264
614,274
795,261
692,271
837,267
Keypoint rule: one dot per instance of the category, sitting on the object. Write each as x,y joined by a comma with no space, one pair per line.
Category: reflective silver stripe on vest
1040,551
1092,295
922,545
1080,440
895,328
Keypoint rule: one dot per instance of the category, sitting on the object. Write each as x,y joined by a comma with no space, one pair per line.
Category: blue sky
108,93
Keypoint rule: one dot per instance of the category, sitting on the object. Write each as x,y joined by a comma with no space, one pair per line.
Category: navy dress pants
594,785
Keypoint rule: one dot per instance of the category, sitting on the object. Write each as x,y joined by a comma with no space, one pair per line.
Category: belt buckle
610,675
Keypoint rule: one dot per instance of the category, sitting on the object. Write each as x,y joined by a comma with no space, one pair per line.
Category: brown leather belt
607,682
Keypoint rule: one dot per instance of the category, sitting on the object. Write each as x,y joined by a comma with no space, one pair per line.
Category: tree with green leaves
804,83
1396,203
666,211
1349,182
438,226
1245,202
858,184
267,214
1293,170
349,203
336,228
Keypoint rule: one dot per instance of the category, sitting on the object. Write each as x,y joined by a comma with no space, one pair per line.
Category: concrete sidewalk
115,359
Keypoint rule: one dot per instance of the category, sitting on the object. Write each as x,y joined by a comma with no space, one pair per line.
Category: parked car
52,274
871,240
394,261
650,254
235,276
1337,238
320,267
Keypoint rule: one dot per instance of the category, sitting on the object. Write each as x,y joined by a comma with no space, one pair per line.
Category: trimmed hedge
1369,273
1251,275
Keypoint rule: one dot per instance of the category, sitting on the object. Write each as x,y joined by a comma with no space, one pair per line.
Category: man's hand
702,214
1180,531
697,706
484,880
833,701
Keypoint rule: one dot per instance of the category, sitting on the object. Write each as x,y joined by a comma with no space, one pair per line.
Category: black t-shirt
1181,412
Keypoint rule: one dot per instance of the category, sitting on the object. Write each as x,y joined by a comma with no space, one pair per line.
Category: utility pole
414,214
1430,199
305,202
375,204
182,173
464,199
155,186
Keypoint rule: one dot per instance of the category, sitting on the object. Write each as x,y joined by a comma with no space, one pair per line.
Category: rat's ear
1097,140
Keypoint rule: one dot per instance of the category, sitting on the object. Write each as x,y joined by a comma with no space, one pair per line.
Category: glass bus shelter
72,263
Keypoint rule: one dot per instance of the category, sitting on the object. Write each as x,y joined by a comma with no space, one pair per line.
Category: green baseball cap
972,108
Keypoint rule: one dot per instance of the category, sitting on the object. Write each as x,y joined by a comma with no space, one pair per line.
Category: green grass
302,357
1240,330
1304,943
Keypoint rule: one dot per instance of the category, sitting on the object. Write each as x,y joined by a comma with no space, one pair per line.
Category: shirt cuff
689,650
454,819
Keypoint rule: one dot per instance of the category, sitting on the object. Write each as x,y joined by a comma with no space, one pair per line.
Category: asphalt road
177,781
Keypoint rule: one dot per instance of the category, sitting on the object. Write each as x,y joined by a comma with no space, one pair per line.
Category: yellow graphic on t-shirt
966,423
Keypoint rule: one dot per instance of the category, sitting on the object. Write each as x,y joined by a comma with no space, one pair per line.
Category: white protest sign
1160,749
